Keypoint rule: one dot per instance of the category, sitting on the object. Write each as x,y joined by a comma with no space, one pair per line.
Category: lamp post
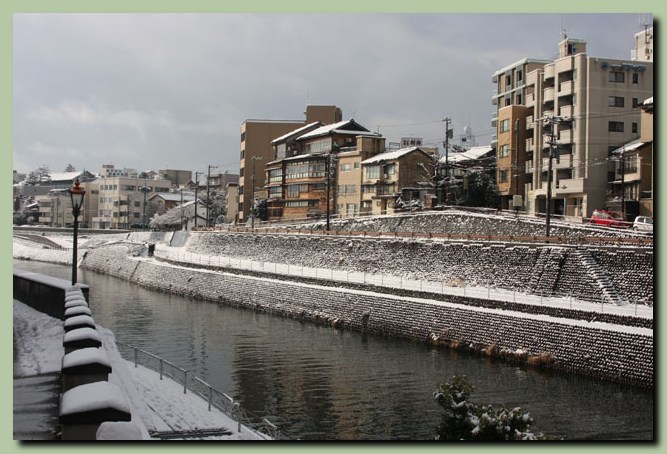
76,193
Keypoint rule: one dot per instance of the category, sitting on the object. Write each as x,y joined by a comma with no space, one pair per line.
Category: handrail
214,398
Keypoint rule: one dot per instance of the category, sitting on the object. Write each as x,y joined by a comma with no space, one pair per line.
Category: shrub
465,420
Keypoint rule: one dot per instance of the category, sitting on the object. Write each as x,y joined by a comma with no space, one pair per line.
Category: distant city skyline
149,91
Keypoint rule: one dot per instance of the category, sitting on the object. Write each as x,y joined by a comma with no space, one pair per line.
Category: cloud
176,87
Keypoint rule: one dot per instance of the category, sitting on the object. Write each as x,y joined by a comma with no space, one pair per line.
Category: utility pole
623,182
196,195
553,153
145,189
182,214
208,194
516,158
252,194
448,132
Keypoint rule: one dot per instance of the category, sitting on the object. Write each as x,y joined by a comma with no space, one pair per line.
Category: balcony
565,111
548,94
529,166
571,186
565,88
565,137
530,146
564,162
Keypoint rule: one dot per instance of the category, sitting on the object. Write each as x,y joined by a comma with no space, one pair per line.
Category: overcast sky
152,91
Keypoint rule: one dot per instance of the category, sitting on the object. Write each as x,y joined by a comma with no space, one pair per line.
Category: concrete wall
43,293
623,355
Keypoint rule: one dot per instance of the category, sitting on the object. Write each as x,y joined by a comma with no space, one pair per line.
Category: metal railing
190,382
485,290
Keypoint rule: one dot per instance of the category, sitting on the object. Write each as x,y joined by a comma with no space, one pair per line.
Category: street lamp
76,194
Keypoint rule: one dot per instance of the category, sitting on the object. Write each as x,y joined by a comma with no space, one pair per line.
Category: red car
608,219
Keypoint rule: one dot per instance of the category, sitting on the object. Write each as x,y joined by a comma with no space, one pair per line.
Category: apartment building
257,150
393,174
302,182
630,191
568,115
123,201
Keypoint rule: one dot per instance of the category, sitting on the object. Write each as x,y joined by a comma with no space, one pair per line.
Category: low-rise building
303,183
395,174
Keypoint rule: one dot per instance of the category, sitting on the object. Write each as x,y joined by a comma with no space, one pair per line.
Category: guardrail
196,385
485,290
574,240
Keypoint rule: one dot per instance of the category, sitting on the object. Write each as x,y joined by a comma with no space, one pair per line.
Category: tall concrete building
572,111
256,149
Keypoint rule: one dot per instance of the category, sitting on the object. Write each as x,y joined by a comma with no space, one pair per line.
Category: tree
465,420
70,168
482,190
218,206
40,175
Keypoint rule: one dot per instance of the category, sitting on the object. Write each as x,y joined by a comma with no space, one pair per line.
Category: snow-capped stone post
85,407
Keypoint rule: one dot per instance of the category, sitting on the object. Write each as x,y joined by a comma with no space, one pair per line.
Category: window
503,176
635,102
504,151
346,167
616,76
616,101
242,154
390,169
616,126
635,127
635,78
505,125
519,75
372,172
357,164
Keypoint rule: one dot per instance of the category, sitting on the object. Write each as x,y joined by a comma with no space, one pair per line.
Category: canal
319,383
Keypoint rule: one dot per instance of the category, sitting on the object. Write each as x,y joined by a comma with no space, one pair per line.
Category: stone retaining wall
551,270
589,348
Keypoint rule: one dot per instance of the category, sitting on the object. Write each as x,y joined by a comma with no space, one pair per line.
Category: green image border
10,7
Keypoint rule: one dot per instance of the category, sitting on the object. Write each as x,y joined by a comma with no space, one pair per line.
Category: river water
318,383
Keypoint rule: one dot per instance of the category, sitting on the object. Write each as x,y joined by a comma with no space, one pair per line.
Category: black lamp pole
76,193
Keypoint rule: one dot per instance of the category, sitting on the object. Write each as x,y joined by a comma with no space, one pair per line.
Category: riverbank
612,351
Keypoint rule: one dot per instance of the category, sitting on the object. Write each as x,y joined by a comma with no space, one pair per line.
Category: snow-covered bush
465,420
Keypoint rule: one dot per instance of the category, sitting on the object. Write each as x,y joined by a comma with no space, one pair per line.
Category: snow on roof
391,155
472,154
175,197
630,146
296,132
337,127
65,176
648,101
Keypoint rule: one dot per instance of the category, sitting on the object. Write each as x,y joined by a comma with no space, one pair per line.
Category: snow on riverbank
156,405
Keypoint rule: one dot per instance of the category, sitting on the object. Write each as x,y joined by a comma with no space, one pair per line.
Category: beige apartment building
572,111
257,150
123,201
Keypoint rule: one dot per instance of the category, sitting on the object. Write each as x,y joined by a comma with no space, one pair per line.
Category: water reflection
319,383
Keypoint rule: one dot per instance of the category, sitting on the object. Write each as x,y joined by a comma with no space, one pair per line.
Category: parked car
608,219
643,223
